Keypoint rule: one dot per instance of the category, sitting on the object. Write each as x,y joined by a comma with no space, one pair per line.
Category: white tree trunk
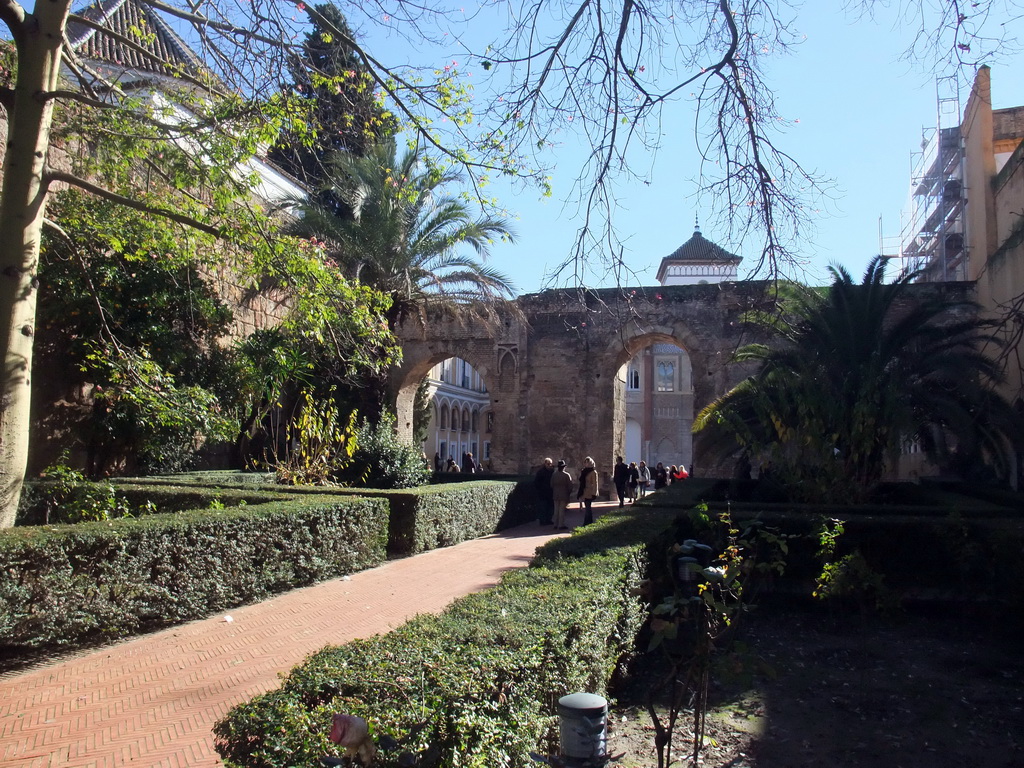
22,206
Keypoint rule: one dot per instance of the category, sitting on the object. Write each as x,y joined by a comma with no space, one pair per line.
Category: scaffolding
932,236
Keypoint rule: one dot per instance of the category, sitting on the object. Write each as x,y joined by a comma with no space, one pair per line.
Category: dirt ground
811,690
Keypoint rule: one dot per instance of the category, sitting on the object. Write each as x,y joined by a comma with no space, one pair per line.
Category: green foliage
381,460
442,515
340,111
324,443
68,585
66,497
144,406
401,235
124,304
477,685
422,412
850,575
854,373
131,303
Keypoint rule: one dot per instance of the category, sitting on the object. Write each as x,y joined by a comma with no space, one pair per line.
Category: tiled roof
699,249
166,52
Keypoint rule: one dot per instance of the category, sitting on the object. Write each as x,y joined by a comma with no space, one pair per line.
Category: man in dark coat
620,474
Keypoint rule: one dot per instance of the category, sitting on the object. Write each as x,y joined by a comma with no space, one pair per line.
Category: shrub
381,460
441,515
324,443
68,585
66,497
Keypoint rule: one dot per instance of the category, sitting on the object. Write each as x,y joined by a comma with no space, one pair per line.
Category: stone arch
499,425
662,411
550,363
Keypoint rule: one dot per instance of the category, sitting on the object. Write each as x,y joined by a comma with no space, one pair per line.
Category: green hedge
70,585
938,556
433,516
441,515
145,498
477,685
926,499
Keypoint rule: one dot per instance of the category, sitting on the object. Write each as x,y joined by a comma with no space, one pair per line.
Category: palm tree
856,372
400,236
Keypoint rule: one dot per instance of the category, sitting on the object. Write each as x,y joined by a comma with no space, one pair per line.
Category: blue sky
858,112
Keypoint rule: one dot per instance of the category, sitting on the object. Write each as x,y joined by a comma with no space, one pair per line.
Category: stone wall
550,362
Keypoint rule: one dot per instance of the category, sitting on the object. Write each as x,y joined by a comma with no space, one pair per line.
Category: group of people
633,480
555,487
469,464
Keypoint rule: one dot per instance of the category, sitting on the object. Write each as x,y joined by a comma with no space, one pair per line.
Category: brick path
152,701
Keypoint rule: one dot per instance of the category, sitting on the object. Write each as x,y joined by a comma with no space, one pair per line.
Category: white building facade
461,421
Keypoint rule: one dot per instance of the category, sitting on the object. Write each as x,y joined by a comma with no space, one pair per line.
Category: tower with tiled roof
698,261
129,44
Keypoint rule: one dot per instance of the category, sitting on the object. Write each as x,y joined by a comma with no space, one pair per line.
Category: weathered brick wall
550,363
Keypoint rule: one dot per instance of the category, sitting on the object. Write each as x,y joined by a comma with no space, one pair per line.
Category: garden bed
812,689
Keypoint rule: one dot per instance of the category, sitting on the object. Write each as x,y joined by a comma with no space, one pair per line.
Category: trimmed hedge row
441,515
430,516
75,585
433,516
144,498
927,499
69,585
926,555
477,685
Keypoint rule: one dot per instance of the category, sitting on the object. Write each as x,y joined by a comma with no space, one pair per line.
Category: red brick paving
152,701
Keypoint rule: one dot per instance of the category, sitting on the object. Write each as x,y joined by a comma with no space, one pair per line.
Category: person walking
645,478
561,491
542,482
679,474
620,474
588,489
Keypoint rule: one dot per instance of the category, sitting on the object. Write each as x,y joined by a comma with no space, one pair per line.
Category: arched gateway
551,363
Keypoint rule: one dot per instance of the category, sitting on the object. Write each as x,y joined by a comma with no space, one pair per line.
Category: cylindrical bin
582,723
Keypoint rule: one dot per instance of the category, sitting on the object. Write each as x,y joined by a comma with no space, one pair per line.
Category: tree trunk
38,38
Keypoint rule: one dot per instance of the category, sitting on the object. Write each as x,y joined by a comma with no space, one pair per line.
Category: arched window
465,419
444,417
666,376
632,377
455,419
476,421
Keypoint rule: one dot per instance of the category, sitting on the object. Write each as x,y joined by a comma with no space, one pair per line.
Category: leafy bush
67,497
381,460
324,444
145,407
67,585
